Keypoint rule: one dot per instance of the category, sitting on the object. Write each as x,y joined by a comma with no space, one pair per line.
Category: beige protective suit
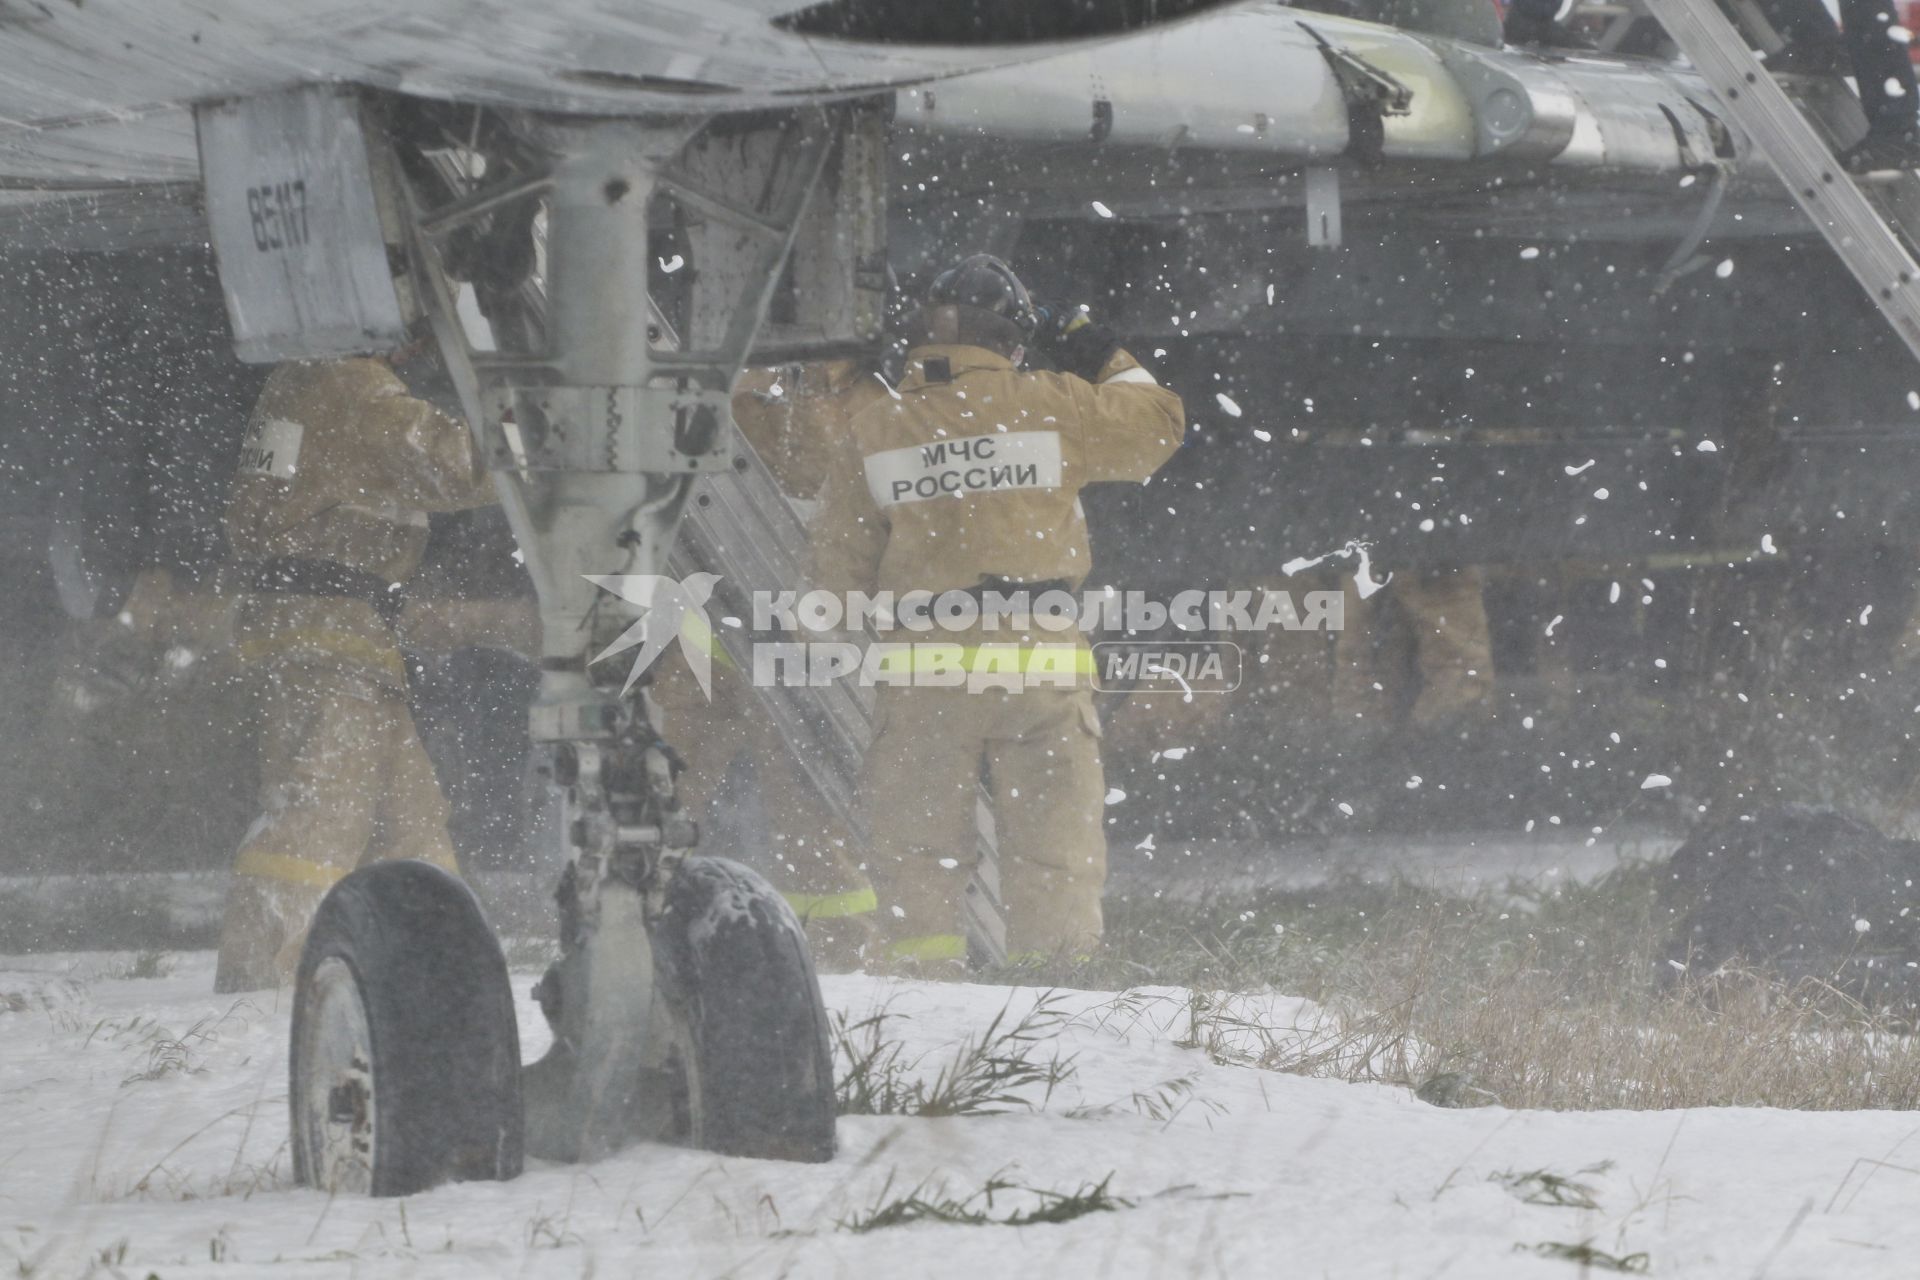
973,473
792,417
340,466
1441,616
795,415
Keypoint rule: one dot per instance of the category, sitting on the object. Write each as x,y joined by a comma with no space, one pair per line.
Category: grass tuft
168,1054
1544,1187
528,952
925,1203
1161,1102
1589,1258
150,964
989,1073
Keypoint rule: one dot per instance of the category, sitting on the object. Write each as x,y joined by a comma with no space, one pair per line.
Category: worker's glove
114,664
1074,343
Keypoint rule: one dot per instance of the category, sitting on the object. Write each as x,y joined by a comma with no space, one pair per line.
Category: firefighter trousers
811,860
1040,750
344,781
1445,621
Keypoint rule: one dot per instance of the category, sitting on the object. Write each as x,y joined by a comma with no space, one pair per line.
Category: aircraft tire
405,1062
732,963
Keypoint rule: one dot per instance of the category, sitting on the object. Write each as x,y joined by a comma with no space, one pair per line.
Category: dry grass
991,1072
528,953
1730,1038
1554,1001
1588,1258
245,1178
930,1203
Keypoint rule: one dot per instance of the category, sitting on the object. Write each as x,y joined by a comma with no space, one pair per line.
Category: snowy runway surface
143,1128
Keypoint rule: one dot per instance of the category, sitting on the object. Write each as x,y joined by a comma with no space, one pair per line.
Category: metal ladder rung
746,530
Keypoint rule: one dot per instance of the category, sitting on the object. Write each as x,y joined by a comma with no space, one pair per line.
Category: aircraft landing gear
685,1006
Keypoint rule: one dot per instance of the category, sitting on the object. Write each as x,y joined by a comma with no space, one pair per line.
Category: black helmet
987,284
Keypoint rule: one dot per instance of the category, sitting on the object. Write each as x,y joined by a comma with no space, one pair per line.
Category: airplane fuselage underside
101,93
98,92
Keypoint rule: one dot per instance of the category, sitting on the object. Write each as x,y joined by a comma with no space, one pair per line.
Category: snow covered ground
143,1126
182,909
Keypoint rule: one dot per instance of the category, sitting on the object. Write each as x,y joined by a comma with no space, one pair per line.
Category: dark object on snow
1806,893
406,1054
1455,1089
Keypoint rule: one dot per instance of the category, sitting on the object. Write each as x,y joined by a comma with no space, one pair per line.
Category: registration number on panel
279,213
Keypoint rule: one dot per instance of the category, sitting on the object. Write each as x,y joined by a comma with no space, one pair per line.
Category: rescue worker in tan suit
1000,529
792,416
338,471
1442,617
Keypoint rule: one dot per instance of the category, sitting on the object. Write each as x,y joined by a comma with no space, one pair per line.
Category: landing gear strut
685,1006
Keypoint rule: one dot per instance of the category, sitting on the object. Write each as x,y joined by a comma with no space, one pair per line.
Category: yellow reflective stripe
694,627
937,657
833,906
338,644
1033,959
933,946
280,866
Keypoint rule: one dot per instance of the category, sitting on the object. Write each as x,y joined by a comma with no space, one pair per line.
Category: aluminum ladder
740,525
1872,224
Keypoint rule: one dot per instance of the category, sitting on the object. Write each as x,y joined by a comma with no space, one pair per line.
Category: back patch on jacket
964,467
272,448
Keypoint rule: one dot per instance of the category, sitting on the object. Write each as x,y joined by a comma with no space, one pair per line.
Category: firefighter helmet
985,283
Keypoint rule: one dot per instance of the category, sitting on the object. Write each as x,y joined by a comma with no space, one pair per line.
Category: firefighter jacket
795,415
971,472
341,465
